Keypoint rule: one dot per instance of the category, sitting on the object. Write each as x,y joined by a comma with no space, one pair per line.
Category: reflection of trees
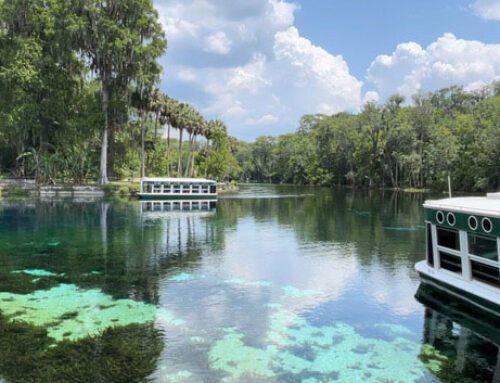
104,245
344,216
470,345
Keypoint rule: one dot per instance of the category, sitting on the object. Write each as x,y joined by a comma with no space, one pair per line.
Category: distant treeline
79,97
447,132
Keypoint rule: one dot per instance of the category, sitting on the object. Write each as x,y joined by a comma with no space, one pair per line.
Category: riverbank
122,189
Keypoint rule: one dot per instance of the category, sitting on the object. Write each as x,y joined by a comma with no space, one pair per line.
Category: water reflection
274,284
167,208
467,342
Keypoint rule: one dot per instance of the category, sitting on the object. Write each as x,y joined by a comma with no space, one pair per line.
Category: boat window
483,246
448,238
430,247
485,273
440,217
450,262
487,226
473,222
451,219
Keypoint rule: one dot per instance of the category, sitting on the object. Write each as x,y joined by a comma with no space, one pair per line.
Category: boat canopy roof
178,180
488,206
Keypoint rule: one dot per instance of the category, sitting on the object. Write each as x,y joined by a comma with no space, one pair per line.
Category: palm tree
167,105
181,121
195,125
207,133
199,131
213,128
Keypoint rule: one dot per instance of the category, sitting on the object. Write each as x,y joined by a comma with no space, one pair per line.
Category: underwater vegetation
71,313
38,273
446,369
24,283
125,354
182,277
294,350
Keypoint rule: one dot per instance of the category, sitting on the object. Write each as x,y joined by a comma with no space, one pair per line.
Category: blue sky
362,29
261,64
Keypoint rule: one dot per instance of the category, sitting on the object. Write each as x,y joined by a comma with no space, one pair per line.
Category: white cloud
315,74
268,119
250,65
447,61
371,96
186,75
218,43
270,95
487,9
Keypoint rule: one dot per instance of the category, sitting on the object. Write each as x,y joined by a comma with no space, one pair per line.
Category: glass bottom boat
178,188
463,242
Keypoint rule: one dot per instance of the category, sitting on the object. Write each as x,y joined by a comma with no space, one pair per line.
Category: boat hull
165,197
472,294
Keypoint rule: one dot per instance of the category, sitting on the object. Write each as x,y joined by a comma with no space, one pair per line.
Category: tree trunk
168,150
179,155
192,157
188,162
103,174
397,174
422,165
143,168
206,159
391,172
156,124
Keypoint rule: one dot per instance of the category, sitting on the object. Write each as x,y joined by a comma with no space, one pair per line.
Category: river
271,284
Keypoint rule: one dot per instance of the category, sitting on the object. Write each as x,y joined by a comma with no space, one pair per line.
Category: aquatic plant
70,313
119,355
297,350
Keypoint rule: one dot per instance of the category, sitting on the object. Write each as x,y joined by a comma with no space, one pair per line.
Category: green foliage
15,191
448,132
79,97
221,164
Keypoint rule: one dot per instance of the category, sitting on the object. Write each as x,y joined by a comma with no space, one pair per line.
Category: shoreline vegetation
118,189
80,100
404,145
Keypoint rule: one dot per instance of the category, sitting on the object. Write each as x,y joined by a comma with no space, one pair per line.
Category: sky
260,65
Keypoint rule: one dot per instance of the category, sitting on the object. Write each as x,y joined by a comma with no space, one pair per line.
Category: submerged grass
295,350
125,354
71,313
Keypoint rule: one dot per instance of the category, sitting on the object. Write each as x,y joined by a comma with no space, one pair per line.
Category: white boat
462,251
178,188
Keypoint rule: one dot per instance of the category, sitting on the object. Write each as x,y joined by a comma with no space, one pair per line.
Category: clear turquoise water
275,284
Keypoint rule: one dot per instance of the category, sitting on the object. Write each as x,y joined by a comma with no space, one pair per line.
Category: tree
116,36
212,128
